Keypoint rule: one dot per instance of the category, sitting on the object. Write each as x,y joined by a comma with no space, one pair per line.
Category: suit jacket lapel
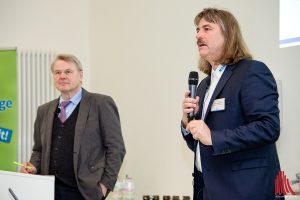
81,121
224,78
202,91
48,132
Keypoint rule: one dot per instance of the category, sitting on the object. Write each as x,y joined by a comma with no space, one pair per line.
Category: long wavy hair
235,48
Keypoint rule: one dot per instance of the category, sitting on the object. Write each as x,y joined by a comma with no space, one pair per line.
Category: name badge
218,105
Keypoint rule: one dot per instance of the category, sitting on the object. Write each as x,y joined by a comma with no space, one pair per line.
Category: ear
81,74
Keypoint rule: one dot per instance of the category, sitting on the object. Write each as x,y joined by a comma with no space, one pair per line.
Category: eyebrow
66,70
203,26
206,26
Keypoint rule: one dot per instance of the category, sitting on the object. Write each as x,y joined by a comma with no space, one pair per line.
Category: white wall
144,51
57,25
140,53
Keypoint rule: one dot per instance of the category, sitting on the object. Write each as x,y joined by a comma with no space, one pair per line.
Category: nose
62,75
198,35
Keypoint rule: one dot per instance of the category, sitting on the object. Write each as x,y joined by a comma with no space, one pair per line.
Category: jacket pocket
95,166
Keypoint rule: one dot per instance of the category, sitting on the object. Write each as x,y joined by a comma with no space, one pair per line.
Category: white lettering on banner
5,135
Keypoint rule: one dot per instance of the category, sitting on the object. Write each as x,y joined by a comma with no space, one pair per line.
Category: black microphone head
57,111
193,78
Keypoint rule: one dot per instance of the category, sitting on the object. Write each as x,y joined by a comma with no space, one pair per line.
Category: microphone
193,82
13,194
57,111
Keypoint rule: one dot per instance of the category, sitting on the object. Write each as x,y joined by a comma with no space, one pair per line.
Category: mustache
200,42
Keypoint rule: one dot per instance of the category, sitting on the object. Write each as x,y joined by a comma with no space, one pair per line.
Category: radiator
35,87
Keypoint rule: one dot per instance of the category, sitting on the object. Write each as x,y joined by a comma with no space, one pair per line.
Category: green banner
8,109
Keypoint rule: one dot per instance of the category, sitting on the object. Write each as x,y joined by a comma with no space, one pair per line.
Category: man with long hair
236,120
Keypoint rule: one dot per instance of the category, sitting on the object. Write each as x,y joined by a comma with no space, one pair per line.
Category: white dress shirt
214,79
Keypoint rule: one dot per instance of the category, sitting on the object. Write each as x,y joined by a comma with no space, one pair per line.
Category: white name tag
218,105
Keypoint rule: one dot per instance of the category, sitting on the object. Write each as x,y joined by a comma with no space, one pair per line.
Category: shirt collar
75,99
218,71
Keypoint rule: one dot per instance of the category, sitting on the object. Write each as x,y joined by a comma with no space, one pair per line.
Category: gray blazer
98,143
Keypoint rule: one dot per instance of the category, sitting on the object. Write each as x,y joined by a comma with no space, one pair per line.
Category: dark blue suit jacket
242,163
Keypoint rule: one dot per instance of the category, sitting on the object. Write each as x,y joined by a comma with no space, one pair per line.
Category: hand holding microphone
197,128
190,102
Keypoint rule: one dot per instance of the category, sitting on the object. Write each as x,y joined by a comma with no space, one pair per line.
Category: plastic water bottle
128,188
118,189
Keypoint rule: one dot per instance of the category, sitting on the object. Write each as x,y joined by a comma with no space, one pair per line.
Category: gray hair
68,58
